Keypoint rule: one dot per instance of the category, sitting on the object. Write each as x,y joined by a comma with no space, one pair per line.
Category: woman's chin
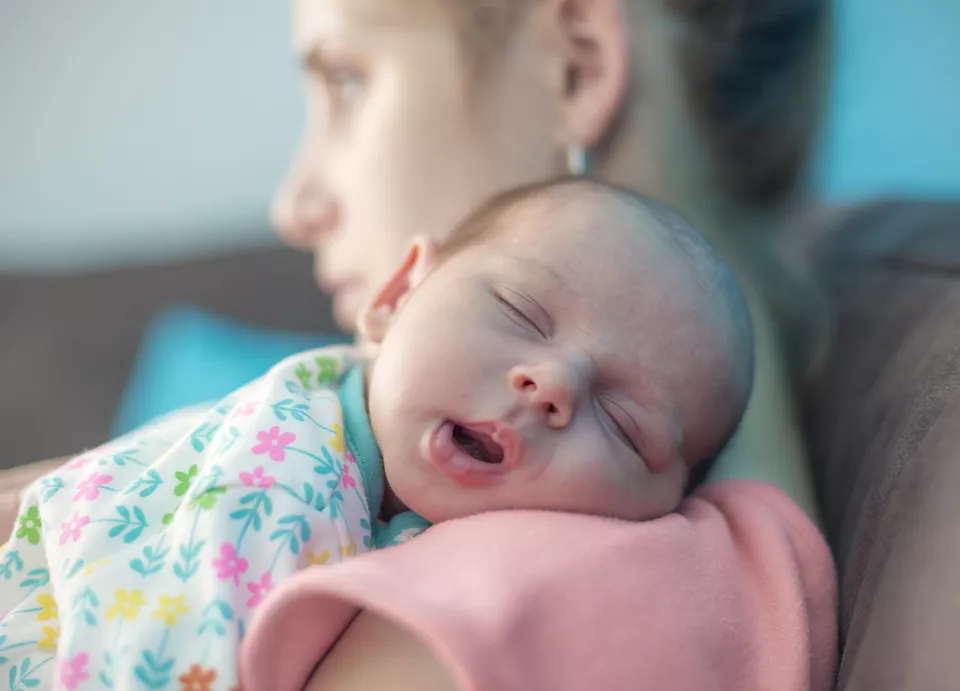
347,303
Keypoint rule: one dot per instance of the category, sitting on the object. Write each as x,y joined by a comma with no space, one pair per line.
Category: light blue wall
132,129
895,126
140,128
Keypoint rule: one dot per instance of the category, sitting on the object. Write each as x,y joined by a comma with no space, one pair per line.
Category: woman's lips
347,299
446,450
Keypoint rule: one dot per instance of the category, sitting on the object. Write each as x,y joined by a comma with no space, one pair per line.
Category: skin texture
575,325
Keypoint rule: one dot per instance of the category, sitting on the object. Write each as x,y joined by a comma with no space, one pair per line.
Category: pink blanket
736,591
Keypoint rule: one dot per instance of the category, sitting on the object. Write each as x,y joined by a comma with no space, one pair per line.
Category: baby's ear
420,260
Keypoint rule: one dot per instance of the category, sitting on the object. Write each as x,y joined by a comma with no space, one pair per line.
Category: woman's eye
345,81
517,315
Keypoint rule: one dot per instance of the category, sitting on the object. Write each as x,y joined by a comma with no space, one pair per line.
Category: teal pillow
190,356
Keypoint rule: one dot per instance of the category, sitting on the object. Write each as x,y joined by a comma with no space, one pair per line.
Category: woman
420,109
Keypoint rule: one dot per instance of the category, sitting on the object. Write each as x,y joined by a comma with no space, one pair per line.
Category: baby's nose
549,389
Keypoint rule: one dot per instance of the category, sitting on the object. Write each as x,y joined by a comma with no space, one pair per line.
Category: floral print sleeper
138,565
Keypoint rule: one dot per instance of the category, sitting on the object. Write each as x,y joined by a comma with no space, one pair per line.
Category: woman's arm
392,658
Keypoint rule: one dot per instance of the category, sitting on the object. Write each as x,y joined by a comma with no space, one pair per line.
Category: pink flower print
73,671
72,528
347,479
272,442
350,457
78,463
258,591
89,489
248,408
229,564
257,478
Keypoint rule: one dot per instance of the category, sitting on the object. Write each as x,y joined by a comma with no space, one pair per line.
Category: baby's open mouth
478,445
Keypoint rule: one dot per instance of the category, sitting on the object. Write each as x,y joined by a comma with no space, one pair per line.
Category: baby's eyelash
517,314
624,434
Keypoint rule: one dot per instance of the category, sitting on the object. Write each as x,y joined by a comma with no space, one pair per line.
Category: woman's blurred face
403,136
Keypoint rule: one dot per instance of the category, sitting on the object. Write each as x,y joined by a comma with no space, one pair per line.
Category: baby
572,347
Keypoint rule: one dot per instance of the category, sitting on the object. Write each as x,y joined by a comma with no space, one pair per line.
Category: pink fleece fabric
735,591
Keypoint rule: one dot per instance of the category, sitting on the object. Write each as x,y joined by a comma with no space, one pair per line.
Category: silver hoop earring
578,162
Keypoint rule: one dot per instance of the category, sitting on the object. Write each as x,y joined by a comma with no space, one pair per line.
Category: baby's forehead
569,231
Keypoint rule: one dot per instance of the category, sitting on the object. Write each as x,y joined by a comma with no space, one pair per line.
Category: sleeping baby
572,347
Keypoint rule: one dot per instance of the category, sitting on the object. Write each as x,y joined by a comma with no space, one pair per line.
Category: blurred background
139,147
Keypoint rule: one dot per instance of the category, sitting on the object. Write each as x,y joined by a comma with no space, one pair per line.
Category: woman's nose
304,213
551,389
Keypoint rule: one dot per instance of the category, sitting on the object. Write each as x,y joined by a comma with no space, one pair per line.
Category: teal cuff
386,534
360,440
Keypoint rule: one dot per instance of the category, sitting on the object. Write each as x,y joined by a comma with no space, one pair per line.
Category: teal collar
359,435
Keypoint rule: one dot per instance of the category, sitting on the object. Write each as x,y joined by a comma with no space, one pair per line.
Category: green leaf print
11,562
329,370
36,578
153,672
106,675
258,501
133,527
184,480
228,442
202,436
288,535
147,485
123,457
208,499
305,376
85,605
296,390
215,616
49,486
153,560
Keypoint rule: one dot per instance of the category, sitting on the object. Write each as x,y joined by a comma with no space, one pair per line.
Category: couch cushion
67,343
884,429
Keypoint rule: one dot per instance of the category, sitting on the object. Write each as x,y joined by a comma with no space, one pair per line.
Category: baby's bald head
705,334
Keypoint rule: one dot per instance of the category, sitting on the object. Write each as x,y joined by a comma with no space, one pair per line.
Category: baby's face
542,370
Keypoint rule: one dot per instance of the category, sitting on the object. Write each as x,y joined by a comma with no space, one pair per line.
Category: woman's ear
419,261
593,70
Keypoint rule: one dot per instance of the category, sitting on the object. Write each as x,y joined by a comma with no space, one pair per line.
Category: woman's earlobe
596,45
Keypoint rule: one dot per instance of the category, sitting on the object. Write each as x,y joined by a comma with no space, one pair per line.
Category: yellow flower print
126,605
48,608
170,609
94,567
49,640
337,442
349,550
314,559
